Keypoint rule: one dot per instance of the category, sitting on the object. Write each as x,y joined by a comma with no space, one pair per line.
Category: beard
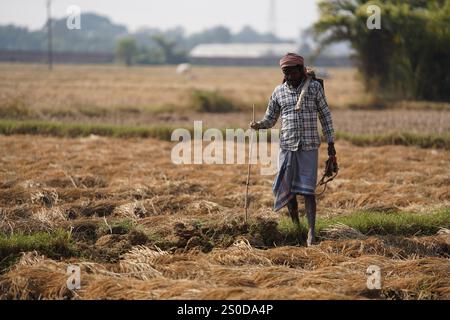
296,82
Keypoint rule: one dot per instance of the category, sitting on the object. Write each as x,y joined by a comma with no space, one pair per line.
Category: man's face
293,75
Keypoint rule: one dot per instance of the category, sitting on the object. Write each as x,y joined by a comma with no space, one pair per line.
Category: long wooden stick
248,170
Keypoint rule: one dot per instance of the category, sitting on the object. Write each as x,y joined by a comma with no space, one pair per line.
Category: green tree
408,57
126,51
150,56
172,55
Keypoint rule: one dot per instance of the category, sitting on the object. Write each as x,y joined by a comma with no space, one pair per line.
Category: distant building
253,54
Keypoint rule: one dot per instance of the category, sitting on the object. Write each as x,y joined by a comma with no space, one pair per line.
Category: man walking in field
299,100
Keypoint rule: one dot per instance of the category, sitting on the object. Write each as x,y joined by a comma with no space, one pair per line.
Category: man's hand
331,164
255,125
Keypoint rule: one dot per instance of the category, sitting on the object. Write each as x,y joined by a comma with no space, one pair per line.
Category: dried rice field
158,96
109,86
141,227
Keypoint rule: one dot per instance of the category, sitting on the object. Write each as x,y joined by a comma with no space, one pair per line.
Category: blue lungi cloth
297,174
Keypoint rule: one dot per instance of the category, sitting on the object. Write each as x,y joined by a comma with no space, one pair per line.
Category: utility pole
49,35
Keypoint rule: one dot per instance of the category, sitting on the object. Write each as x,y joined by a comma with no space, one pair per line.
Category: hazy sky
194,15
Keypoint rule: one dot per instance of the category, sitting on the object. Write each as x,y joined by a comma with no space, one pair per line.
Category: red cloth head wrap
291,59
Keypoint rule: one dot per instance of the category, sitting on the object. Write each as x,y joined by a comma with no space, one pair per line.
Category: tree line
408,57
148,45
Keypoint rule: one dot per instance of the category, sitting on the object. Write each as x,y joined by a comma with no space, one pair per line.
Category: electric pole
49,35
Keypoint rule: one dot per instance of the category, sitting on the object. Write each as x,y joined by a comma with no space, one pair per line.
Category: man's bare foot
311,239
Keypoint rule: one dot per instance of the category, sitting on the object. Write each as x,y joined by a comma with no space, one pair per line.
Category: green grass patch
211,101
59,129
391,223
55,245
402,138
376,223
116,227
164,132
292,233
16,110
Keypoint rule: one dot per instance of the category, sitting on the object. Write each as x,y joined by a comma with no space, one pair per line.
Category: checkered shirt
299,127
